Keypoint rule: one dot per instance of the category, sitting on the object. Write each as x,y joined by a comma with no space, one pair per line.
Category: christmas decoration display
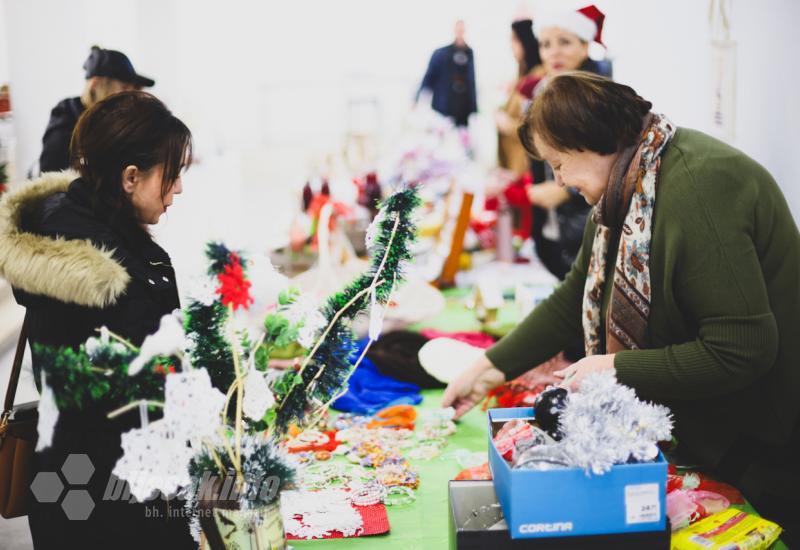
325,370
218,412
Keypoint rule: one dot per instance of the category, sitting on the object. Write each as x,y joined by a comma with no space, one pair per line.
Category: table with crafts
423,524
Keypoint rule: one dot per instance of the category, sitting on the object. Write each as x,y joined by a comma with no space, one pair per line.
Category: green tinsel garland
205,325
330,367
100,382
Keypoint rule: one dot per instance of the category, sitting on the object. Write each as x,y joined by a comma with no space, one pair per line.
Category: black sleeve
55,143
537,170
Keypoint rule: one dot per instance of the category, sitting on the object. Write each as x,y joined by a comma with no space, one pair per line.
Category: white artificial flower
48,416
92,346
168,339
267,282
203,290
311,321
258,399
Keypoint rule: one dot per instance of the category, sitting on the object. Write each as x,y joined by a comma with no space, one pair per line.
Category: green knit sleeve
721,292
552,325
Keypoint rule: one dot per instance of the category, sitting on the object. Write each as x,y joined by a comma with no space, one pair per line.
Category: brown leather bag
17,443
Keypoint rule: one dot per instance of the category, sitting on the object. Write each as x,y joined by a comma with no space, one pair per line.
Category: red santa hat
586,22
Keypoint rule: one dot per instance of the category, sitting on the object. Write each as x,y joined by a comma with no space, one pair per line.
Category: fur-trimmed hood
71,271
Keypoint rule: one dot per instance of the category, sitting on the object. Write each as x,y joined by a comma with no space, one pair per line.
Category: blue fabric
370,391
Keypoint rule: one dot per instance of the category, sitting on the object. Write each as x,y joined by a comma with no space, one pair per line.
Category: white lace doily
192,406
315,514
153,460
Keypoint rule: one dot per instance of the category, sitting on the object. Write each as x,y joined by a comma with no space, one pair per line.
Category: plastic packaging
726,530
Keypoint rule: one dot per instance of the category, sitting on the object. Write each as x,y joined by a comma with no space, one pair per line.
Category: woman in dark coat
78,254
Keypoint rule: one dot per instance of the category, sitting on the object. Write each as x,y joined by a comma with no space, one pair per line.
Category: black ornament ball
548,407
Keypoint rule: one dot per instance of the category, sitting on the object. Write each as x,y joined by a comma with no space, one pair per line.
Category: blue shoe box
630,498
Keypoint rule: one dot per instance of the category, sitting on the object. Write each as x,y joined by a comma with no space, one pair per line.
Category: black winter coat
55,143
129,287
75,270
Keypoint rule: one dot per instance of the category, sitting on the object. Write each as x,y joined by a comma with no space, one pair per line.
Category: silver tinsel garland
603,424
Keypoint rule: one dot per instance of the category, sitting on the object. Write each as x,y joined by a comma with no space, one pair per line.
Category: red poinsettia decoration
233,285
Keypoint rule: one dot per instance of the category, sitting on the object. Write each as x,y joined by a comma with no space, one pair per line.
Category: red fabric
374,518
523,390
675,481
481,472
526,86
329,446
477,339
517,197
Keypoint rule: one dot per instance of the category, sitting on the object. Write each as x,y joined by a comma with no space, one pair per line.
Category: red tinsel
233,286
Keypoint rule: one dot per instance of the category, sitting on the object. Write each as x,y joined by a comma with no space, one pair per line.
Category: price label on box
642,504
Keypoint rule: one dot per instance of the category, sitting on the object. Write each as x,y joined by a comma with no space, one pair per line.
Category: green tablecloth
423,525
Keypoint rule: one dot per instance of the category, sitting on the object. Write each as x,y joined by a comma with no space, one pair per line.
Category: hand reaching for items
471,386
572,376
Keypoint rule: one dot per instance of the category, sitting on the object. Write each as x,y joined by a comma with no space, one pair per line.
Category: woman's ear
130,177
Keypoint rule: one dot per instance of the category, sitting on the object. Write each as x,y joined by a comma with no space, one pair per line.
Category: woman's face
144,190
561,50
585,171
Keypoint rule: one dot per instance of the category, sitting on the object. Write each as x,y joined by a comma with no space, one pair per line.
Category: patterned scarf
627,207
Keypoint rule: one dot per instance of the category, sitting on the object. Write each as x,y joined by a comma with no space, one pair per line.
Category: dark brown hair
128,128
582,111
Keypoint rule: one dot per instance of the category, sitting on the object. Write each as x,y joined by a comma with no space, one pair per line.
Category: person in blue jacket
451,79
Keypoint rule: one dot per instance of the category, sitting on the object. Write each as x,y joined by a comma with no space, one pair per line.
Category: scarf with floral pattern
626,207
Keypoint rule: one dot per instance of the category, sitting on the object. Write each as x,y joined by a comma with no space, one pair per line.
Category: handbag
17,442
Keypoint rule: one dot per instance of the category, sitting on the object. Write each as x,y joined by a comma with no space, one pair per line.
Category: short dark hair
582,111
128,128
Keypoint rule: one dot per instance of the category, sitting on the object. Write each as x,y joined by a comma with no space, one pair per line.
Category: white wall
4,71
268,82
663,50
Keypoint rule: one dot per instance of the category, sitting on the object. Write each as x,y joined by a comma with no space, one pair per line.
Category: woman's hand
472,385
547,194
572,376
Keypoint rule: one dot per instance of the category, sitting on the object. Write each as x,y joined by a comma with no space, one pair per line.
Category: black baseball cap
114,64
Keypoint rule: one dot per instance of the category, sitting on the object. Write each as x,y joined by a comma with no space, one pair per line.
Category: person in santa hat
559,215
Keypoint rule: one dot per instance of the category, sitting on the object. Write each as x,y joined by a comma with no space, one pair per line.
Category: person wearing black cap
107,72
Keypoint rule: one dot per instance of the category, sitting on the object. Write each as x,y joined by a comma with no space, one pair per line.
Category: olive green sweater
724,324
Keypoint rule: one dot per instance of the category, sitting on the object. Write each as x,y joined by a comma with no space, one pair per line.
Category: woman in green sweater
687,286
